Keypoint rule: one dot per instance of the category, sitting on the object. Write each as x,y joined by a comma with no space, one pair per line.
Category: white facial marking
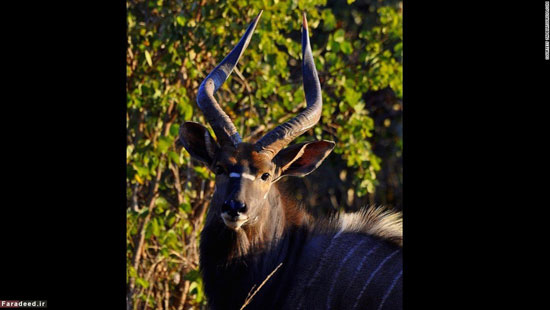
244,175
248,176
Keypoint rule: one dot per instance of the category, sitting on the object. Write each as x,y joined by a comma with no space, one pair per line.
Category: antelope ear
303,158
196,139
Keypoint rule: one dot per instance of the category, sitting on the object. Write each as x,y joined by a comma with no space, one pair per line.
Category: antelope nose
233,207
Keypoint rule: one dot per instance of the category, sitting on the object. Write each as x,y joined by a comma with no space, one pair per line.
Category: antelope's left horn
282,135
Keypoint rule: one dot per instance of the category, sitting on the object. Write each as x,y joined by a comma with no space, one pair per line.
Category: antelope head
245,172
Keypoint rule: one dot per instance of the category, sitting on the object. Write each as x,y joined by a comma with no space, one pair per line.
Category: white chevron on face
243,175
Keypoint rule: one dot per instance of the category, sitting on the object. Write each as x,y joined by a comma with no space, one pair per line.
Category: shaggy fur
376,221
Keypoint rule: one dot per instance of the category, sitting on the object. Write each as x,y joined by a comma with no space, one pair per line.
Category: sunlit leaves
148,58
329,21
338,36
346,47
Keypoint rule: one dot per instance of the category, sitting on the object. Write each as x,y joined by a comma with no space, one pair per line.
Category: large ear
198,142
303,158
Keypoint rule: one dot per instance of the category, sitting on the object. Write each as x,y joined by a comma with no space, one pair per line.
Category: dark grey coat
341,270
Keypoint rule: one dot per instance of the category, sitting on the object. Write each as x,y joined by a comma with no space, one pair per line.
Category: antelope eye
219,170
265,176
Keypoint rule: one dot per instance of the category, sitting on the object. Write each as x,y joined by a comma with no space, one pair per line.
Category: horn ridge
282,135
223,127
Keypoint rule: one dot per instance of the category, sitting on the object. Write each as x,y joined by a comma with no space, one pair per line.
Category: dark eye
219,170
265,176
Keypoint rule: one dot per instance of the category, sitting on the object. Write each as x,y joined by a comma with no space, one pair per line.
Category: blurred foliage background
172,46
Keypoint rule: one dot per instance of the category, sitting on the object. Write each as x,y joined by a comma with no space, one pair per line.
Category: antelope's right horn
221,123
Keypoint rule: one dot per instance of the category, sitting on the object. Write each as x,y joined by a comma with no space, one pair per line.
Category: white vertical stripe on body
319,267
335,278
389,290
371,277
361,264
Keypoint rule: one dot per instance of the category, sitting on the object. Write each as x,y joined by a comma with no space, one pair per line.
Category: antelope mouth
234,222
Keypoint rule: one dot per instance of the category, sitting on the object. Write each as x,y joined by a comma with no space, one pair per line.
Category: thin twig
177,183
184,291
168,120
141,240
251,290
249,298
135,205
147,278
166,294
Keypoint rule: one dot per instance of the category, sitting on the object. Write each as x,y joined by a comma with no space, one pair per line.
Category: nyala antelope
348,261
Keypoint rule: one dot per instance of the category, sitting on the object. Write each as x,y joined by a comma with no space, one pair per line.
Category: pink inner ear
306,159
313,153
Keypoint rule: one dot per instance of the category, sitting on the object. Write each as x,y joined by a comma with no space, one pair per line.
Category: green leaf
164,143
161,203
192,275
329,21
339,36
181,20
155,227
185,207
346,47
351,96
203,172
142,282
148,58
175,157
